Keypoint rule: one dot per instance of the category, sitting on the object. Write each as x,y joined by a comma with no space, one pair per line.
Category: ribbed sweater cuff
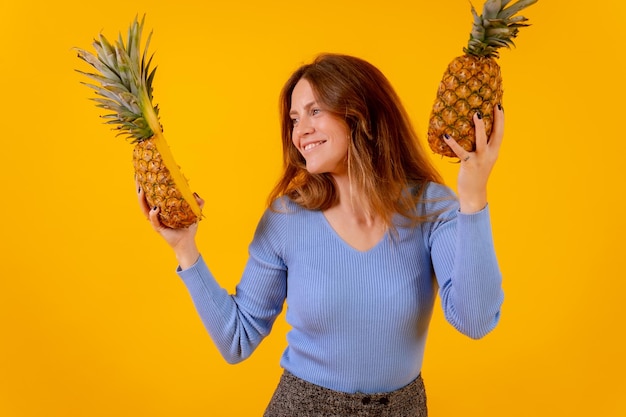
199,275
475,220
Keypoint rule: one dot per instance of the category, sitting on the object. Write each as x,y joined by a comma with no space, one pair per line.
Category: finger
199,200
479,128
497,133
458,150
141,198
153,217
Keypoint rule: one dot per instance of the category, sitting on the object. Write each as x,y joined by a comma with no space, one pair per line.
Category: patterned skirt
295,397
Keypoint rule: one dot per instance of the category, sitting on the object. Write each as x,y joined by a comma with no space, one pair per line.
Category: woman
359,235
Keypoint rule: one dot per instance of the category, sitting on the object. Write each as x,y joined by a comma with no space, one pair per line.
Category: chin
314,171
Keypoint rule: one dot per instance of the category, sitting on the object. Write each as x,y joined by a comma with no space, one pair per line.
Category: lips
312,145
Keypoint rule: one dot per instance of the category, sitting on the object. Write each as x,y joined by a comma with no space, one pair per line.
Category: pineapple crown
125,82
496,27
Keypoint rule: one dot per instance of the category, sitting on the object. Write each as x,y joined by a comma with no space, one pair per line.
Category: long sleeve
238,323
467,271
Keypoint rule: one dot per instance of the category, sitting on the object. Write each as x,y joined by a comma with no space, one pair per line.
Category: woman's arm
467,271
462,249
239,322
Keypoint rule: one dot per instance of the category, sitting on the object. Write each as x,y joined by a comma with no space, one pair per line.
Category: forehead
302,89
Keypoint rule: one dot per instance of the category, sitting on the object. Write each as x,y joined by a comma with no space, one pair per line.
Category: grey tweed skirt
295,397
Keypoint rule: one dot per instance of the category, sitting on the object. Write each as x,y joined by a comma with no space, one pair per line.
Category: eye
294,121
315,111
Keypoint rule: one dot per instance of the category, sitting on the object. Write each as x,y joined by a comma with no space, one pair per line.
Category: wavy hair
386,162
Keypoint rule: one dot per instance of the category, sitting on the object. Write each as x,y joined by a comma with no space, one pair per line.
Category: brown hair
385,158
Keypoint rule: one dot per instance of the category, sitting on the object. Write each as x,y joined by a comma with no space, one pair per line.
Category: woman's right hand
182,241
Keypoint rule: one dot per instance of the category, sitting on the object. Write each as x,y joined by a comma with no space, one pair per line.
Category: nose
303,128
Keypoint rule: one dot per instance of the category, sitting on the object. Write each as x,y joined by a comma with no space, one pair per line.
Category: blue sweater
359,320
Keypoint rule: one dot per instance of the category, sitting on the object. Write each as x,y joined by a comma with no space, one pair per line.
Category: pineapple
125,90
472,82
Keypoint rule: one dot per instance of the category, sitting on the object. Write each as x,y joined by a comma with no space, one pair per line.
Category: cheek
294,150
294,144
346,138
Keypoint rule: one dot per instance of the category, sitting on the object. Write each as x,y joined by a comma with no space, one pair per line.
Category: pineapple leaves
106,54
478,30
97,64
514,8
491,9
149,83
97,77
125,77
496,27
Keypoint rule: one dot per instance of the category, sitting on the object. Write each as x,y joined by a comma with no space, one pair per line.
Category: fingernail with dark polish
196,195
446,136
479,115
499,106
154,208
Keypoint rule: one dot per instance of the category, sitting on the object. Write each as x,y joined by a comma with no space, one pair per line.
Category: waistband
295,397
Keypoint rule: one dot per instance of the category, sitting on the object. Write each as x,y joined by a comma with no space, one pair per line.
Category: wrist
472,205
187,256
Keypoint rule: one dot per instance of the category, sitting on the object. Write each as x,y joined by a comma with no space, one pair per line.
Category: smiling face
320,136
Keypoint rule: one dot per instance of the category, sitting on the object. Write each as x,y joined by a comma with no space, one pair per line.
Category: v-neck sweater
358,319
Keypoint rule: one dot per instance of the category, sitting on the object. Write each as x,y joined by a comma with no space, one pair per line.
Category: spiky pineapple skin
155,180
470,84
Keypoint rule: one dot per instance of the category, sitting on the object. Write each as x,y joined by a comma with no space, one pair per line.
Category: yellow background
94,321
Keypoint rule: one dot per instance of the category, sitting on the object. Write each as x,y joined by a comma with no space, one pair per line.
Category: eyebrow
306,108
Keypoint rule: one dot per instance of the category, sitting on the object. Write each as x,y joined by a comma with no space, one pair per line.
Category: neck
352,201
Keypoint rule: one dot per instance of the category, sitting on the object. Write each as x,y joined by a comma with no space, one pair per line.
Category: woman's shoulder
284,205
437,190
284,210
277,224
438,198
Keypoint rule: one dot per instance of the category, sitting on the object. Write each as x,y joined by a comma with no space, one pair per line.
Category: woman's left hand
476,166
